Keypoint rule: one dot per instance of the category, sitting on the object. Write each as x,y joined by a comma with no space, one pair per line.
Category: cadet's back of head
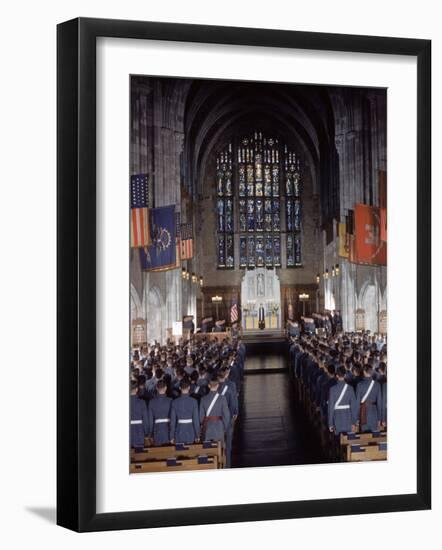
194,376
180,372
185,385
213,382
340,372
368,371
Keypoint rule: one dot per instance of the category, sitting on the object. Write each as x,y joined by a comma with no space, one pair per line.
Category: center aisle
271,430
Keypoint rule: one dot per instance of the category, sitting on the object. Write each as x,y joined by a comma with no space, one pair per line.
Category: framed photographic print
228,309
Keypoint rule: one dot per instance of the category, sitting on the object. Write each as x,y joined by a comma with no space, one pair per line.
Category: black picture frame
76,273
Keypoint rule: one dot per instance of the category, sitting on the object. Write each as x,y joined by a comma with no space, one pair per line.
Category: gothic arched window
224,206
258,164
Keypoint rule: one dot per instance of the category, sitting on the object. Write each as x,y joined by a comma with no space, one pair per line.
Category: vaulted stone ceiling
301,116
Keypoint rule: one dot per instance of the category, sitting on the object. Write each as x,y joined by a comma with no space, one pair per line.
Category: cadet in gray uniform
189,368
369,398
184,418
159,415
384,405
214,414
382,379
227,388
342,405
139,422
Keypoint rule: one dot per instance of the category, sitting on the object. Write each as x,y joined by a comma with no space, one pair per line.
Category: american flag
186,241
234,311
139,213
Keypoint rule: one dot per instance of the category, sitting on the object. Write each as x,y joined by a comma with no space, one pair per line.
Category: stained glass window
249,173
224,209
258,167
293,210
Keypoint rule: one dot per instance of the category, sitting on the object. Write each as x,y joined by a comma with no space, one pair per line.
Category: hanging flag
234,311
139,213
383,218
343,241
368,246
161,254
186,241
382,179
350,238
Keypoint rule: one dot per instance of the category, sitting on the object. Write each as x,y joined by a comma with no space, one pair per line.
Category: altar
261,300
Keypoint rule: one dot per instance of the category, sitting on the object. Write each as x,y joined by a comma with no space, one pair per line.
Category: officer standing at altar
261,317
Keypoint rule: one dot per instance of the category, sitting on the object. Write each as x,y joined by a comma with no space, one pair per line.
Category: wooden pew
209,448
175,465
179,451
369,438
376,451
362,438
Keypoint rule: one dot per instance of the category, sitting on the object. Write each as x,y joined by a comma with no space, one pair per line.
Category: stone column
348,293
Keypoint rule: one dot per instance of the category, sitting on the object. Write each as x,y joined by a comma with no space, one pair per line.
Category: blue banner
161,254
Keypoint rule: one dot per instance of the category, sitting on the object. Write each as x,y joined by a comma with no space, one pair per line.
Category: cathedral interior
266,174
276,193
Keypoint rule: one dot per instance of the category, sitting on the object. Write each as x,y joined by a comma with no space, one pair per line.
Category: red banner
383,218
368,246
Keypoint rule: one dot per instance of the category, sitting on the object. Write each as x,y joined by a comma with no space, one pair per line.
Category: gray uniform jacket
184,420
139,422
373,401
342,407
214,404
384,402
228,390
159,419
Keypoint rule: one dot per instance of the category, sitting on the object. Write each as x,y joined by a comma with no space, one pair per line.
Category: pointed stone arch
368,302
136,306
155,312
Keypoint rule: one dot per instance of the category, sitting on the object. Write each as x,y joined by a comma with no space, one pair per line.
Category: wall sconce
326,274
183,273
194,279
333,271
201,281
318,278
187,275
337,269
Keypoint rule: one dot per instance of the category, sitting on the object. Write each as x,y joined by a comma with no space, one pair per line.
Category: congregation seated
342,381
185,392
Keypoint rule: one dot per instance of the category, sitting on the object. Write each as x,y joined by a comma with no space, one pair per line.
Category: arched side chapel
179,126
